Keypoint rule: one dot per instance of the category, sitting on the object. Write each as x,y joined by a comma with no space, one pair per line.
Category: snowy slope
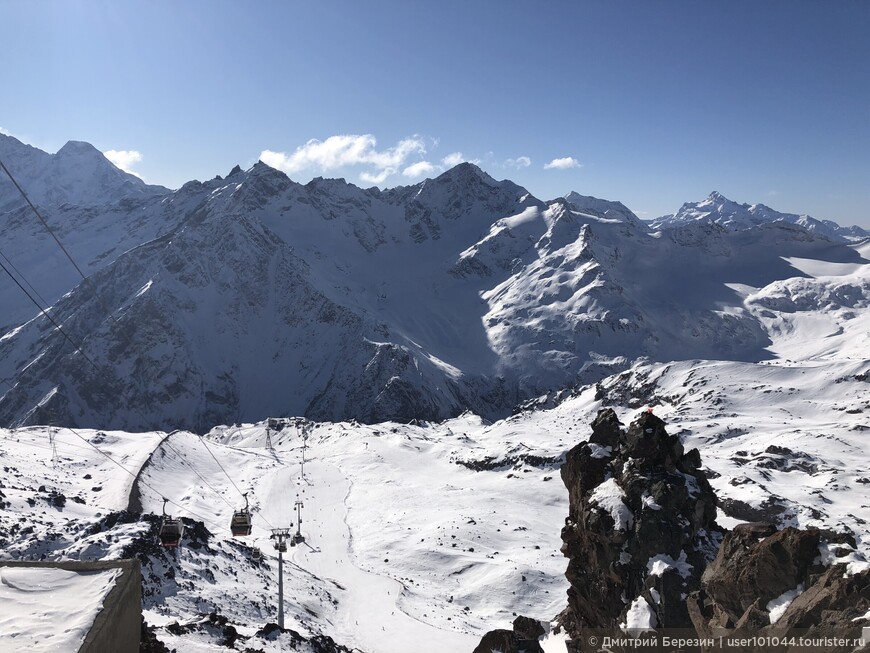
431,534
33,597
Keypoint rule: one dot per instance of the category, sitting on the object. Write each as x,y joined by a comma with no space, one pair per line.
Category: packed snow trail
369,616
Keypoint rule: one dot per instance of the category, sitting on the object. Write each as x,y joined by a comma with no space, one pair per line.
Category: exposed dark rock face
640,531
754,565
758,567
645,552
522,639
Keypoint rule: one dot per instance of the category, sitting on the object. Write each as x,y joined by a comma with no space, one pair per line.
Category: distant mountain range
252,295
731,215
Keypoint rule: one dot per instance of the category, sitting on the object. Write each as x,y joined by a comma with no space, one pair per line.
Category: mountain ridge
459,292
732,215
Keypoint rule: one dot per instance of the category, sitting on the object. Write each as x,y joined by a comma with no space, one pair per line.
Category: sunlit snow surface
48,610
423,537
409,544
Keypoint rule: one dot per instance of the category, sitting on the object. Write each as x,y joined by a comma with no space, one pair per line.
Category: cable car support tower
279,535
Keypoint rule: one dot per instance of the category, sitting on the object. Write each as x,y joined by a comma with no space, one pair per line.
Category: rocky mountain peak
260,184
740,217
645,551
78,174
79,148
640,529
260,169
464,171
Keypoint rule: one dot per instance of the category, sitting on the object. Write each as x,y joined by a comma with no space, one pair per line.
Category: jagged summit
464,171
718,209
635,546
473,293
78,174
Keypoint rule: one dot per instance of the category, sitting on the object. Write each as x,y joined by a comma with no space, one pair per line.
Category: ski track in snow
369,616
436,532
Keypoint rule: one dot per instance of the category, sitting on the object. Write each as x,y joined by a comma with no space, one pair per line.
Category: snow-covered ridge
77,174
417,302
719,209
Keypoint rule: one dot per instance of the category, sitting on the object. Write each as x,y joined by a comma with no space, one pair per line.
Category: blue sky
649,103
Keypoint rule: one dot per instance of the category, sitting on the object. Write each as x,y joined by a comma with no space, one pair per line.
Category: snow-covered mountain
253,295
733,216
239,298
97,211
77,174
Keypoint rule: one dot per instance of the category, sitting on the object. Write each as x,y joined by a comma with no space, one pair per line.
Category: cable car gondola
171,529
240,525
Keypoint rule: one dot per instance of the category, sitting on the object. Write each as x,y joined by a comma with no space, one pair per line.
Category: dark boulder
523,638
787,584
751,567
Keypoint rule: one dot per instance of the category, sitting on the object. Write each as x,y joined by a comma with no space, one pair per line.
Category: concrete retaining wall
118,625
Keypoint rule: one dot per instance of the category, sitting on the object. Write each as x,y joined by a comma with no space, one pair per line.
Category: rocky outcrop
640,530
646,554
790,583
522,639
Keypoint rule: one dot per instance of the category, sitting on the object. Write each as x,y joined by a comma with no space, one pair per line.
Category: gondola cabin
240,525
171,531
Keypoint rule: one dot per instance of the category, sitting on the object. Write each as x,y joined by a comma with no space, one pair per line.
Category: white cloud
519,162
453,159
378,178
4,131
347,150
124,159
564,163
418,169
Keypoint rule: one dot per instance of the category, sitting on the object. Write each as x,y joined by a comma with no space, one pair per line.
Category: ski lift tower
305,430
297,537
55,459
279,534
269,438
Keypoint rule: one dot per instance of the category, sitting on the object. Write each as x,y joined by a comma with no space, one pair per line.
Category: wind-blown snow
640,617
777,606
609,496
50,609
